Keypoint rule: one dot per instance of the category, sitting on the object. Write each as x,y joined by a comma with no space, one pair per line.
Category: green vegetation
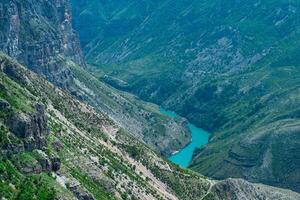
231,68
97,190
15,95
218,74
87,162
15,185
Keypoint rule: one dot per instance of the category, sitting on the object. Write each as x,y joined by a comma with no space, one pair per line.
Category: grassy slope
14,184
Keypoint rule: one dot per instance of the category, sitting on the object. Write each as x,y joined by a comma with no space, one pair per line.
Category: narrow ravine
199,138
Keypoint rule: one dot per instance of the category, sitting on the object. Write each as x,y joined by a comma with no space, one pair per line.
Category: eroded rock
31,129
33,125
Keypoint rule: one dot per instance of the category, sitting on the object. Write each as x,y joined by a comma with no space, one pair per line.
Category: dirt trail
212,183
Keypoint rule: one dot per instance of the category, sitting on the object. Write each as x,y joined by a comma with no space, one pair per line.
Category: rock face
30,128
38,166
34,125
37,34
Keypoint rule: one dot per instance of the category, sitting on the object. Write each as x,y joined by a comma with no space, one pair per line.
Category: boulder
81,193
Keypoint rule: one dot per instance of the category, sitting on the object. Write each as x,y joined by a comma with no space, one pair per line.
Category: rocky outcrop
39,34
11,70
34,125
79,191
238,189
31,129
38,165
57,145
50,164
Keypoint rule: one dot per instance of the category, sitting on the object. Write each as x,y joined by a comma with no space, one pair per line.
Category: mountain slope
118,18
95,154
40,36
91,160
265,146
142,119
230,67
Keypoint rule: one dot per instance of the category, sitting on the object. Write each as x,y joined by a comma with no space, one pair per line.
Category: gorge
231,68
102,100
183,157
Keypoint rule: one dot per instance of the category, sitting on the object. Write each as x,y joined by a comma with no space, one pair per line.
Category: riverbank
200,138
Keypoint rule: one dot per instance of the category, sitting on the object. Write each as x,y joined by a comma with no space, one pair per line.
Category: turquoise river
199,139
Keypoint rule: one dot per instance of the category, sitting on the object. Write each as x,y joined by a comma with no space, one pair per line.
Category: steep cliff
38,34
